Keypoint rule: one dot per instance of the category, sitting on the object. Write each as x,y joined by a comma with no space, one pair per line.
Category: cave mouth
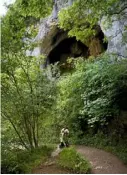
101,37
69,47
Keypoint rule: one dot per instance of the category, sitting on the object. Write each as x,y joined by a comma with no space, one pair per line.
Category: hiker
62,144
64,137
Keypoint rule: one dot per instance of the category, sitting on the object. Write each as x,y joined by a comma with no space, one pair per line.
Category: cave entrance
69,47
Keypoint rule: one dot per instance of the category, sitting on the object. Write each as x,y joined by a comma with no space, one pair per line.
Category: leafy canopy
19,26
93,94
26,96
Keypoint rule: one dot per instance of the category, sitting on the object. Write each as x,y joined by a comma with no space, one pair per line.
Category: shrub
104,81
71,159
22,161
92,96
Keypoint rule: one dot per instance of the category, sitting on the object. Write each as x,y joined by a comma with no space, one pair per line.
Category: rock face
56,46
49,34
116,34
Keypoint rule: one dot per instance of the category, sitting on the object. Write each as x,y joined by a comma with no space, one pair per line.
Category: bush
93,100
22,161
92,96
103,82
71,159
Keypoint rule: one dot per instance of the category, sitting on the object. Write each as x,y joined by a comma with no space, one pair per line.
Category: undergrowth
23,161
69,158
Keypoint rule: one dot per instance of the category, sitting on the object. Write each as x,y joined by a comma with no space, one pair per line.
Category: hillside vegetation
90,99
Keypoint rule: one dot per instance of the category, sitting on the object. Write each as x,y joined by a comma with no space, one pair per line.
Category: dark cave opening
69,47
101,38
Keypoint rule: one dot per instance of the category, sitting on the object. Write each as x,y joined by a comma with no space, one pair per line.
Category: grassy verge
69,158
19,161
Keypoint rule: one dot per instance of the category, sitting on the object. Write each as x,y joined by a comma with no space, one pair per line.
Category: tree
19,25
26,91
26,96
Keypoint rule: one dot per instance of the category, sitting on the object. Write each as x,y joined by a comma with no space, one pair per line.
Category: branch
9,119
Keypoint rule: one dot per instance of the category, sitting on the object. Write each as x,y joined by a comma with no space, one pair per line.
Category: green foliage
20,25
22,161
89,98
35,8
27,95
101,78
81,19
71,159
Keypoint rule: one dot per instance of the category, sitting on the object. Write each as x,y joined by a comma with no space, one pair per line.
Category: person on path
64,137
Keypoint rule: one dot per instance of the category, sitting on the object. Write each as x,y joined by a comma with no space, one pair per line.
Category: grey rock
116,34
48,30
49,35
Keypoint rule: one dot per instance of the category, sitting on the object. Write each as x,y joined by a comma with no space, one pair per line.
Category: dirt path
50,166
52,169
102,163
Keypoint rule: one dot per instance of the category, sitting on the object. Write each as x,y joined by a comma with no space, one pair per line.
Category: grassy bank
69,158
23,161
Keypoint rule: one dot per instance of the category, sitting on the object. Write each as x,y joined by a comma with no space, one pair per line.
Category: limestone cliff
55,44
116,34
